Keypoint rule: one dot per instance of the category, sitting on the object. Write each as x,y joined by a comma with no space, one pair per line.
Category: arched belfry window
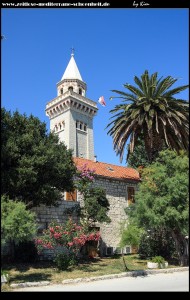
70,89
61,91
80,91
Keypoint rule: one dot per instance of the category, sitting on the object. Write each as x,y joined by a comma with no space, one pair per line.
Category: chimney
95,158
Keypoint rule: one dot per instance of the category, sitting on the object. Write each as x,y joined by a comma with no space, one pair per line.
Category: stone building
71,117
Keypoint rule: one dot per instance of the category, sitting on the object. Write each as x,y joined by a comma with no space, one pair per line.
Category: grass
41,271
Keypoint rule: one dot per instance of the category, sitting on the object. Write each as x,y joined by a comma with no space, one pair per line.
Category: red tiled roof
108,170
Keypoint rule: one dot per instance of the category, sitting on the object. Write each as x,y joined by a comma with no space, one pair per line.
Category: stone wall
116,192
48,214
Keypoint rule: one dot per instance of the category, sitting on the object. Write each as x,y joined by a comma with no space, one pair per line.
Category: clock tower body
71,113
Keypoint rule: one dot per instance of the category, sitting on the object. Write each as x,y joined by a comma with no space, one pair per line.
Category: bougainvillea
85,176
95,204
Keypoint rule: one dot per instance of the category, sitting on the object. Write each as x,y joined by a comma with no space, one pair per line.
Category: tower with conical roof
71,113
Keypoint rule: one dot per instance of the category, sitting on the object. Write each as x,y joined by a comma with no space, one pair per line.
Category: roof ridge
105,163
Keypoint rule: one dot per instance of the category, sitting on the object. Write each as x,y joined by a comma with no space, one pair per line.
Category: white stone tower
71,113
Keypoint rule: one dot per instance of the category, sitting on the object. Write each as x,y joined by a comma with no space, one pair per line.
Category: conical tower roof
72,71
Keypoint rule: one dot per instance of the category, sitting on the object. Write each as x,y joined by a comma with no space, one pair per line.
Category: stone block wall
116,192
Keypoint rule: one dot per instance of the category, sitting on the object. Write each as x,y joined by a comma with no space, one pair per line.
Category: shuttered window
130,195
71,196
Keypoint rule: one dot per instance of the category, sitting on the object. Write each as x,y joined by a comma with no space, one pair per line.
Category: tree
36,168
139,157
162,200
95,204
17,223
151,112
131,235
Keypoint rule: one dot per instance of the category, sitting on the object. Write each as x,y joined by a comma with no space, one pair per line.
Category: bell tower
71,113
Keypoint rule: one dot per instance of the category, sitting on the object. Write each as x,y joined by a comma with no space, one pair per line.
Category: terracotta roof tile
109,170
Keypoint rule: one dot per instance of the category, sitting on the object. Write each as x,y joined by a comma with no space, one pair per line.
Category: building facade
71,117
71,113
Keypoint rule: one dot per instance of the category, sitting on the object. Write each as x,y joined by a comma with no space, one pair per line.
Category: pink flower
70,244
57,235
51,229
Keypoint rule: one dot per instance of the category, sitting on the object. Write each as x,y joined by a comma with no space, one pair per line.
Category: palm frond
153,111
175,91
134,90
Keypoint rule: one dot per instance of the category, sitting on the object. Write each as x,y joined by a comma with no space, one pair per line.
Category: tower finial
72,51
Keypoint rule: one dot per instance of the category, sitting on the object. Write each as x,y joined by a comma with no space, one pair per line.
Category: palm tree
151,113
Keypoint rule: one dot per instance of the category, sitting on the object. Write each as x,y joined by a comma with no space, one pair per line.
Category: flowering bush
85,176
95,205
70,236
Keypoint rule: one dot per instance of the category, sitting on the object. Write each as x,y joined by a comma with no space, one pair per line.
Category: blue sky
111,47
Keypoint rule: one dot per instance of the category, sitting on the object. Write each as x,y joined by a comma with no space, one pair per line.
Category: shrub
158,259
65,260
65,238
156,243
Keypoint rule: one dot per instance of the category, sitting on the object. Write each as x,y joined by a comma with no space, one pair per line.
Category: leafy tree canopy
162,199
36,168
139,156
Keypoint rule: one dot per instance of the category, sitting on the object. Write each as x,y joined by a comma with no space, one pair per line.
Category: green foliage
139,156
158,259
156,243
149,110
131,235
36,168
65,260
66,240
17,223
162,199
96,205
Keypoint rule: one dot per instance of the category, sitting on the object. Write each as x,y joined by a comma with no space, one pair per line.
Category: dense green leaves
35,166
17,223
95,204
131,235
139,156
152,113
162,200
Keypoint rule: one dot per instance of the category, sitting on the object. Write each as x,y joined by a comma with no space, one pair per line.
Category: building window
70,89
71,196
80,91
130,195
81,125
61,91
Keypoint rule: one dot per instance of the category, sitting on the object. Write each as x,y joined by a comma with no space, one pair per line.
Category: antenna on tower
72,51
